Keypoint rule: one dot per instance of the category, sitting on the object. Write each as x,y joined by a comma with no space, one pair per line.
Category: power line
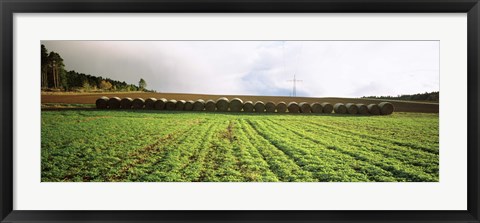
299,54
294,91
295,85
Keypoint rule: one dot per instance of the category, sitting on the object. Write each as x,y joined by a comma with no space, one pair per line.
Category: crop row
404,165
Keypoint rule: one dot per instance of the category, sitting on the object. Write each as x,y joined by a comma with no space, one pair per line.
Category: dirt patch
228,133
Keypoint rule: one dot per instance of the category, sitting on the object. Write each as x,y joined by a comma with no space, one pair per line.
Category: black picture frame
9,7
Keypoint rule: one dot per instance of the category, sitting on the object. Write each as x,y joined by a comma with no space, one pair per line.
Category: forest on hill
54,77
427,96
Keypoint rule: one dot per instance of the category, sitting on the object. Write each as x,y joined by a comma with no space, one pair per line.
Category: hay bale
340,108
362,109
316,108
259,106
270,107
327,107
150,103
373,109
126,103
210,105
171,105
248,106
222,104
305,107
138,103
293,107
281,107
160,104
236,105
114,103
386,108
351,108
102,102
199,105
180,105
188,105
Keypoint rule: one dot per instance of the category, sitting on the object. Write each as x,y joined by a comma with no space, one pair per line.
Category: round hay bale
138,103
126,103
281,107
160,104
248,106
270,107
171,105
259,106
199,105
362,109
102,102
340,108
236,105
316,108
210,105
188,105
327,107
150,103
351,108
386,108
373,109
305,107
180,105
114,103
293,107
222,104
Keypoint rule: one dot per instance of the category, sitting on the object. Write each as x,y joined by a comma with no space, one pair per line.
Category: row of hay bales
237,105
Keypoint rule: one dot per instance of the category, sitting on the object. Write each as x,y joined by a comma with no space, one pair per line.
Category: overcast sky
326,68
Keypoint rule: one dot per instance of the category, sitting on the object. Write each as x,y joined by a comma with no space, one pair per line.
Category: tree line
55,77
427,96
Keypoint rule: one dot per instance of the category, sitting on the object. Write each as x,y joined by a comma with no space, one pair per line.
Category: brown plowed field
89,98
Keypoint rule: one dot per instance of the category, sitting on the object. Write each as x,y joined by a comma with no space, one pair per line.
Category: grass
153,146
65,105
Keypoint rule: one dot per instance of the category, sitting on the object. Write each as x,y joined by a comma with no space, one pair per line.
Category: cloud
326,68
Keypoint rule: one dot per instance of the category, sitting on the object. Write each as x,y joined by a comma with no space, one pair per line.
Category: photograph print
239,111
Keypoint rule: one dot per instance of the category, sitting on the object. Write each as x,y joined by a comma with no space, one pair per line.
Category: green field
140,146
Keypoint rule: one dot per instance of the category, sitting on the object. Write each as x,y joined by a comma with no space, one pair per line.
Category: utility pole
295,85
